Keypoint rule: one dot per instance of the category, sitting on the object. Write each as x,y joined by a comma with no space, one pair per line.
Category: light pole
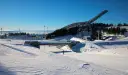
19,30
1,31
47,30
44,31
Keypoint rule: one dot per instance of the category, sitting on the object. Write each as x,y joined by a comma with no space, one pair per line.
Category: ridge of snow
77,39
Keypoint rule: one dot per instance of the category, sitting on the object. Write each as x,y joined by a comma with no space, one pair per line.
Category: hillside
75,28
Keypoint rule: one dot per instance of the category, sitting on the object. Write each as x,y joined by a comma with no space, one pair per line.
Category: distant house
112,27
126,27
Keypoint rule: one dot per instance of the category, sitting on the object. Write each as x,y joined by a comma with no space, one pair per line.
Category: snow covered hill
44,62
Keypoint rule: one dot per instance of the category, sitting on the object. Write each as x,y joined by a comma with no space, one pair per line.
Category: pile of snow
78,47
66,47
78,39
86,47
112,44
90,46
98,40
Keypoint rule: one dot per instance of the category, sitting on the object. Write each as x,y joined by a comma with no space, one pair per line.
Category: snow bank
77,39
86,47
78,47
66,47
112,44
91,46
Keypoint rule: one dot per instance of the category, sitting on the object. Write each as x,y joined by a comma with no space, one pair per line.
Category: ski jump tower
94,19
86,23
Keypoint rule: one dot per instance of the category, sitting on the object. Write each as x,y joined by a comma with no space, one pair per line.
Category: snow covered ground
17,59
106,59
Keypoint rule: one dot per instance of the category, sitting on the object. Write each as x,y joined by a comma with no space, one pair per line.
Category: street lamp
1,31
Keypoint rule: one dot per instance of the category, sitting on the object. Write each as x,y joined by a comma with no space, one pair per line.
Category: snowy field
18,59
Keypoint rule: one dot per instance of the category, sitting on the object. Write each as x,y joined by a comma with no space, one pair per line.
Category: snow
77,39
66,47
78,47
112,55
18,59
112,61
